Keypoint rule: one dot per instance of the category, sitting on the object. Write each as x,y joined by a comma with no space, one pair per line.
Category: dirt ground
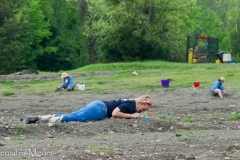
189,124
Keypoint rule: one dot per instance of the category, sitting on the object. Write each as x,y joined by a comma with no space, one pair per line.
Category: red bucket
196,84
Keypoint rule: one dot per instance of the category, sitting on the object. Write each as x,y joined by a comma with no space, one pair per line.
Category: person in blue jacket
98,110
217,87
67,84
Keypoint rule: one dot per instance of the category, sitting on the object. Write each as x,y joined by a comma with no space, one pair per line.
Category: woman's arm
118,114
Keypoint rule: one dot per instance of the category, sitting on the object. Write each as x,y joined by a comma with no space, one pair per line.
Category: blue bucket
165,82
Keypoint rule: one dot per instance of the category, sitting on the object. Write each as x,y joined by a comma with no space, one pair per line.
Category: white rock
135,73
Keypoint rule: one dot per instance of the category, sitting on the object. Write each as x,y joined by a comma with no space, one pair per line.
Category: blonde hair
140,99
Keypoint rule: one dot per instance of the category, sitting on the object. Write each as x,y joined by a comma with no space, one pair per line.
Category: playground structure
202,49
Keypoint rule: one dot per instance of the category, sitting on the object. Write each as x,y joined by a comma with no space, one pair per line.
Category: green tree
38,29
145,29
64,49
12,38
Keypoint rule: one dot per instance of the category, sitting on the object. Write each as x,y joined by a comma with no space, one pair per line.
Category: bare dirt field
189,124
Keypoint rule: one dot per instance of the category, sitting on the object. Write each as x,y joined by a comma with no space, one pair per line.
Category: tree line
54,35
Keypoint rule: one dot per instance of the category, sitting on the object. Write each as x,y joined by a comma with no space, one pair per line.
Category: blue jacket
68,82
217,85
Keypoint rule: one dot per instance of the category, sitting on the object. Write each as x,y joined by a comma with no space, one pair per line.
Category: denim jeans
63,85
93,111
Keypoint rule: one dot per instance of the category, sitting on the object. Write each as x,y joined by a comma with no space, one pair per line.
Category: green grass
166,117
50,147
186,138
187,119
18,138
20,128
98,149
118,76
8,92
233,117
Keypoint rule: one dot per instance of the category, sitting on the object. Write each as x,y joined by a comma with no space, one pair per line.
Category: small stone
87,152
116,156
160,129
49,136
227,158
135,73
102,153
7,138
193,146
134,125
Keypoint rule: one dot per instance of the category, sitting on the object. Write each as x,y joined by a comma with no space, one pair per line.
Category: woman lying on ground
98,110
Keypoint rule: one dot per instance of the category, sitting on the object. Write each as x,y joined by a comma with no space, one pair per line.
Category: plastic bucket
195,60
165,82
218,61
227,58
81,86
196,84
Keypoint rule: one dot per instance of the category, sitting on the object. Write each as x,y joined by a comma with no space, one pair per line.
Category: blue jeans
63,85
93,111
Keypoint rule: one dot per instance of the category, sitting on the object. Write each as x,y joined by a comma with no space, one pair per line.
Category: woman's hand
135,115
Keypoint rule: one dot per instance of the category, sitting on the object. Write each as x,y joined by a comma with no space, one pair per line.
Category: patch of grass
187,119
97,148
101,137
50,147
186,138
234,116
119,77
6,82
8,93
61,144
167,117
20,128
182,131
12,119
18,138
111,133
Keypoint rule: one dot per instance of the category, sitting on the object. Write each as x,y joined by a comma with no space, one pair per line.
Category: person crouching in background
217,87
67,84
